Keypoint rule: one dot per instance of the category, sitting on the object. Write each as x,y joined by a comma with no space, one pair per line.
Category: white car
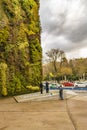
80,84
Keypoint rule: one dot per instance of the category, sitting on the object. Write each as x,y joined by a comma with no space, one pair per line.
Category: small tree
55,55
65,71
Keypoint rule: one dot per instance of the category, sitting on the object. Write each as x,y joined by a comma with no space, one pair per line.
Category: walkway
54,114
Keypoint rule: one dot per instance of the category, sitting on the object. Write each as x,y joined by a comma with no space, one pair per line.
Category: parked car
68,84
54,85
80,84
85,82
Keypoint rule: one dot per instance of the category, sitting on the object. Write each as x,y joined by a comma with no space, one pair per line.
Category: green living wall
20,47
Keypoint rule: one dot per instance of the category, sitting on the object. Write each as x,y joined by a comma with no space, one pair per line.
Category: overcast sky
64,26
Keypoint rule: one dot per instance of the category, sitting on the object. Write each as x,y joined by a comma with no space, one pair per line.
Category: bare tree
54,55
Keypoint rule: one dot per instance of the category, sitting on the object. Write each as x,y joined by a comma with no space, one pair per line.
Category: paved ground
54,114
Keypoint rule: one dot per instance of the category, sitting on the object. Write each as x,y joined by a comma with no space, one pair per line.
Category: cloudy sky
64,26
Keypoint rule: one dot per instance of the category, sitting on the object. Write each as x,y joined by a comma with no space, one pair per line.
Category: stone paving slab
36,96
54,94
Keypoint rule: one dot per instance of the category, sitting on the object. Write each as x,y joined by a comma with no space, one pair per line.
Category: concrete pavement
54,114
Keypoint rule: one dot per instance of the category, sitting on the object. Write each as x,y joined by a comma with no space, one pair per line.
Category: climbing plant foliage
20,46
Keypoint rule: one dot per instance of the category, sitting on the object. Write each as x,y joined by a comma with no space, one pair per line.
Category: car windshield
79,83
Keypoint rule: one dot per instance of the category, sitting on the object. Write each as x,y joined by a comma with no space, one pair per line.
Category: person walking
61,92
47,87
41,88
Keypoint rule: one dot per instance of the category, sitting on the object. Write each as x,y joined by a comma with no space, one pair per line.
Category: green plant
33,88
3,78
4,33
20,46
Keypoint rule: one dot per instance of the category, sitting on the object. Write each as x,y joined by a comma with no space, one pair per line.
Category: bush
33,88
4,91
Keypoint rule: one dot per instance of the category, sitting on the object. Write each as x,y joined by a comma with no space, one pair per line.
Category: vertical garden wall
20,47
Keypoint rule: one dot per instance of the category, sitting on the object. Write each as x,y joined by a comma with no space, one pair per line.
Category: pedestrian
61,92
47,87
41,88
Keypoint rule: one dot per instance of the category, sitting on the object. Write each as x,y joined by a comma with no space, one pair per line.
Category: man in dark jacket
61,92
47,87
41,88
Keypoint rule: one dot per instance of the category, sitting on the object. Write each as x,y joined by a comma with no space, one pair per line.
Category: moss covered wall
20,48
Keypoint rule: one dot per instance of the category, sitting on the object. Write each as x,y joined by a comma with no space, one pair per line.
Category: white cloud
64,26
83,52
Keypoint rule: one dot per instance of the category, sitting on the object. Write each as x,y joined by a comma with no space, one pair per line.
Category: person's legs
41,91
47,90
61,95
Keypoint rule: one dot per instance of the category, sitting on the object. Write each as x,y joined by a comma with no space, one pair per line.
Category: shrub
4,91
33,88
3,78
